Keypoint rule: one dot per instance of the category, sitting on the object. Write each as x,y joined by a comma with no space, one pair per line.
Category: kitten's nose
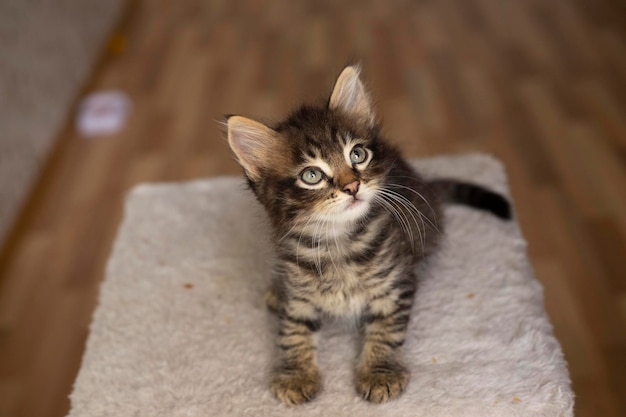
352,188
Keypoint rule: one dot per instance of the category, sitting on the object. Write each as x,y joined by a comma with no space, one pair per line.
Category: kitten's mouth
355,202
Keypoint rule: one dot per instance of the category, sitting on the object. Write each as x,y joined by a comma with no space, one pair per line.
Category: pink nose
352,188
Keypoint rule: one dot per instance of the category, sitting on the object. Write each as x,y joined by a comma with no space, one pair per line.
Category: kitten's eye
311,176
358,155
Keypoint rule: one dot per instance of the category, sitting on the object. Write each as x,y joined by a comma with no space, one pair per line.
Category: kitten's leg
380,374
297,379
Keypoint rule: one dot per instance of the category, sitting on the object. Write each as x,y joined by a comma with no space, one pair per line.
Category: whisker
401,219
288,232
402,204
420,196
330,255
318,259
411,209
404,198
299,240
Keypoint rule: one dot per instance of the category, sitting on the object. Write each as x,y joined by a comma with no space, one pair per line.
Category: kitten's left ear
350,97
255,144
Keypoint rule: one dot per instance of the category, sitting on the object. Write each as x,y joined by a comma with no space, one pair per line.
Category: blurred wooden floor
540,84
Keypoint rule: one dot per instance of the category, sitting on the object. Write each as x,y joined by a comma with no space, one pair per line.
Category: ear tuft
252,142
350,97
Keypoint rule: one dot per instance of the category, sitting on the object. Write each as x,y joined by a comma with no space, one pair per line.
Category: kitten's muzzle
352,188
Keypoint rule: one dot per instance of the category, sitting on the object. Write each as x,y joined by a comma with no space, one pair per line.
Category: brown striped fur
341,252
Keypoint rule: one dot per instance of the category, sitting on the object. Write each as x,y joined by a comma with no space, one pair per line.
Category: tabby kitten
350,221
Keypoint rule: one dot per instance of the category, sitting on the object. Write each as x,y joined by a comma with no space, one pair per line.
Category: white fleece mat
182,330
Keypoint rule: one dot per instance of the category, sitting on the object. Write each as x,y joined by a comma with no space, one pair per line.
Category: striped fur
341,253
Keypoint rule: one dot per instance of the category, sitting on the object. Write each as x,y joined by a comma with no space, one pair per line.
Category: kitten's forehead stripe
333,131
346,138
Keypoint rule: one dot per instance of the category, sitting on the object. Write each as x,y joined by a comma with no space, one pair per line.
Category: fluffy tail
456,192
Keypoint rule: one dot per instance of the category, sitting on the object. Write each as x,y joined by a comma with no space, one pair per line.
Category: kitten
350,221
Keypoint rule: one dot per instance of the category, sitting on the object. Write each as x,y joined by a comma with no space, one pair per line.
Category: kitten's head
326,163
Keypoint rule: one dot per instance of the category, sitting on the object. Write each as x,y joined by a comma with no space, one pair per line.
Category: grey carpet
47,51
181,329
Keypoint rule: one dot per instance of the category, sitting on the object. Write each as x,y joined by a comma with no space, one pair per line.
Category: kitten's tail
457,192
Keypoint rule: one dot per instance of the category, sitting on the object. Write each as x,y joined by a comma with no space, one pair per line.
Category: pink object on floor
103,113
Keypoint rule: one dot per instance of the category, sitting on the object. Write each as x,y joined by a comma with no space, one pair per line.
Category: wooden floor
540,84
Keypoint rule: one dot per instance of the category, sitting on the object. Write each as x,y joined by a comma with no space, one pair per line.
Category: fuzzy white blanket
182,330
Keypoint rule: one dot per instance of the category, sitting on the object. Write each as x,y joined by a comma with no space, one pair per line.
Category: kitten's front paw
381,383
295,387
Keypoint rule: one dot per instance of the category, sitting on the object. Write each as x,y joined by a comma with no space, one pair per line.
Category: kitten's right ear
350,96
253,143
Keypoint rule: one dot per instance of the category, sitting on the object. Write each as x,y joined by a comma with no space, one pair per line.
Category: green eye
358,155
311,176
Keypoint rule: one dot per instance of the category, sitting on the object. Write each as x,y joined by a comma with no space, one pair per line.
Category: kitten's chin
352,211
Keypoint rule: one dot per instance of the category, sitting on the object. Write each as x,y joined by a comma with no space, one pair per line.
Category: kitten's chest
340,291
344,286
337,272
